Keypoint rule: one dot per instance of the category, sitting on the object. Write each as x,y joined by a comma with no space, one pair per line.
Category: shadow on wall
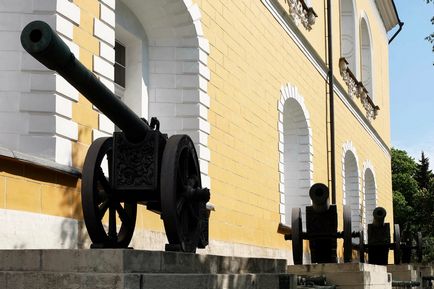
40,203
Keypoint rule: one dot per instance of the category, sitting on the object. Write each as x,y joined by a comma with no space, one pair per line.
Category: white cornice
388,13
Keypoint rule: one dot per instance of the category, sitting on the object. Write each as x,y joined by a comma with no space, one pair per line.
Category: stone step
133,261
136,269
347,275
59,280
403,272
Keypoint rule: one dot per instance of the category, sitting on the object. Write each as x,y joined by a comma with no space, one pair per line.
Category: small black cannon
139,165
321,229
409,245
379,239
379,244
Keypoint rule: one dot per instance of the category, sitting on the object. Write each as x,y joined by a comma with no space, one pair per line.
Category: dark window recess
120,64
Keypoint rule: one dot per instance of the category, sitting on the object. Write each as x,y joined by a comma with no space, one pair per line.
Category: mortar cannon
139,165
321,229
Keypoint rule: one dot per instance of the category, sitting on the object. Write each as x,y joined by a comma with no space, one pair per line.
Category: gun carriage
379,244
139,165
321,229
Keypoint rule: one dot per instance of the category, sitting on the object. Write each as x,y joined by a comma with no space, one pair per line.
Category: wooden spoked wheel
100,202
182,197
397,244
296,236
347,234
361,246
419,247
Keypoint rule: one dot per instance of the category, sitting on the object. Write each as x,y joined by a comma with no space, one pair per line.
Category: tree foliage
413,197
430,37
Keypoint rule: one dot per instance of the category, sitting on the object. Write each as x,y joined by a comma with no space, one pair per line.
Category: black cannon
139,165
321,229
411,245
379,239
379,244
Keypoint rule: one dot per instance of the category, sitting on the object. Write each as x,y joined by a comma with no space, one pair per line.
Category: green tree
404,188
423,173
430,37
413,198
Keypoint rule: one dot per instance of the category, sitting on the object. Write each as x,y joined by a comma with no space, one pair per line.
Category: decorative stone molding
351,183
370,196
356,88
301,13
291,92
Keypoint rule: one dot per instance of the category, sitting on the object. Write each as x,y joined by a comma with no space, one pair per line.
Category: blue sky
412,81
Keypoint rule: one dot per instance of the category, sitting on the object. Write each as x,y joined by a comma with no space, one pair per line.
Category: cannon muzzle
40,41
379,214
319,194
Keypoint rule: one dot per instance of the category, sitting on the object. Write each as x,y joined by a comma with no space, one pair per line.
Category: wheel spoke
104,182
112,223
180,206
192,212
103,208
123,215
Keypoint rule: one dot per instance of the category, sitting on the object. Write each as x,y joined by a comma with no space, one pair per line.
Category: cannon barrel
319,194
40,41
379,214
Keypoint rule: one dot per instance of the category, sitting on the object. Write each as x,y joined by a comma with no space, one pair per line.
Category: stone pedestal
347,275
134,269
403,272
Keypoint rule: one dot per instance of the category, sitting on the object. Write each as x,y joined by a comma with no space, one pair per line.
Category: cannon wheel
347,235
98,200
419,245
180,174
397,244
362,246
296,236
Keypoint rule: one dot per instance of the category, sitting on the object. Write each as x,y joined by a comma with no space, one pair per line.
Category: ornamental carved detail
357,89
134,164
301,14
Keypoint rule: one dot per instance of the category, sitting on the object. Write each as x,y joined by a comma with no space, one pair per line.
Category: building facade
247,80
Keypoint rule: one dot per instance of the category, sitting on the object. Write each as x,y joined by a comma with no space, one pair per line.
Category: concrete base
347,275
403,272
134,269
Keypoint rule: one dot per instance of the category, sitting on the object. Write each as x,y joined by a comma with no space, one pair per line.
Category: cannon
321,229
379,244
379,239
411,245
137,165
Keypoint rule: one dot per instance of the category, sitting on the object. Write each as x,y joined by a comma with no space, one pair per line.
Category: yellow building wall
251,58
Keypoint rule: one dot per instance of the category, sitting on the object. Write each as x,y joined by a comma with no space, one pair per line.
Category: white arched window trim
349,148
178,70
355,67
363,17
289,91
369,202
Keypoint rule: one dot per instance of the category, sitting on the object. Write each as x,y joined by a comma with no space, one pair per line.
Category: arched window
132,44
348,34
366,55
166,72
351,186
296,155
370,195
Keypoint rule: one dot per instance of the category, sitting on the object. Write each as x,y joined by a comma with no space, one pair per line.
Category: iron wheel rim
296,236
98,199
348,242
180,173
397,244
